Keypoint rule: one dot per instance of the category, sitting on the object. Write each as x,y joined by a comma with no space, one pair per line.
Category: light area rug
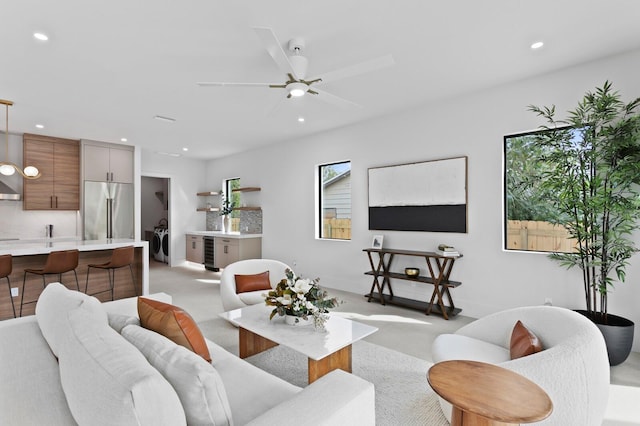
403,395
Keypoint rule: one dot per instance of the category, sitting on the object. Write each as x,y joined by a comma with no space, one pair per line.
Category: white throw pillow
108,382
196,381
52,308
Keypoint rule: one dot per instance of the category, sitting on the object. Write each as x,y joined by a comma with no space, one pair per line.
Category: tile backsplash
29,224
250,221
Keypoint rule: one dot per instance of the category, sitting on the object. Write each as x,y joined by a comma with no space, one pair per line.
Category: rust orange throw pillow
523,342
255,282
174,324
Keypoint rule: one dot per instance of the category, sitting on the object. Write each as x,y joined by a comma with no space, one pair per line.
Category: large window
532,222
334,218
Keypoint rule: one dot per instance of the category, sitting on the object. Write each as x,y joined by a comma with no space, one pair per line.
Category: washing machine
165,246
158,254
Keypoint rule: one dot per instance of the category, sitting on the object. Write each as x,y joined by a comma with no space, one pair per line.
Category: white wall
28,224
187,177
474,126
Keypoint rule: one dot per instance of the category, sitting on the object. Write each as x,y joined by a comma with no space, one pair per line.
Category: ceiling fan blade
273,46
271,110
357,69
333,99
222,84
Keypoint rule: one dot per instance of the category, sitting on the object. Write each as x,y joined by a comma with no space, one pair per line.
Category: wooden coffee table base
251,344
460,418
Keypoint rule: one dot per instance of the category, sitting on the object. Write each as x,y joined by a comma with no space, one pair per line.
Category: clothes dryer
158,254
165,245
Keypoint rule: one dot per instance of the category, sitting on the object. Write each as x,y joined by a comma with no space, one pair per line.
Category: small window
230,185
334,200
234,198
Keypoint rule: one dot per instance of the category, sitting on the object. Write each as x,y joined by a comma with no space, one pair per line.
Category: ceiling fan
295,68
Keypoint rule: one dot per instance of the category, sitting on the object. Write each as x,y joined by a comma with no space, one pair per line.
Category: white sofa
573,367
69,364
230,299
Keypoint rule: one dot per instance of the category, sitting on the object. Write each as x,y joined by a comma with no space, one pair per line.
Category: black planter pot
618,335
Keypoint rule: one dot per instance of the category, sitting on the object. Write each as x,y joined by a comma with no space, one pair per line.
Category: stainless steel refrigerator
108,210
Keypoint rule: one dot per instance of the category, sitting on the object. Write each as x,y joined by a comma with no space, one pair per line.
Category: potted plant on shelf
591,170
226,207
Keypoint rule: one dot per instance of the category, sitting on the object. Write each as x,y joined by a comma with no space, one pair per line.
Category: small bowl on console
412,272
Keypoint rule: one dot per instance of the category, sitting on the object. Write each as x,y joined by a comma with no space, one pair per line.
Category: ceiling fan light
7,170
297,89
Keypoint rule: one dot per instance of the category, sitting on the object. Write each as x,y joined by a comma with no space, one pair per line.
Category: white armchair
573,367
230,299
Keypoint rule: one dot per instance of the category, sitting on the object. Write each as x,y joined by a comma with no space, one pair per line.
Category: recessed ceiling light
185,149
123,139
39,126
537,45
162,118
301,119
41,36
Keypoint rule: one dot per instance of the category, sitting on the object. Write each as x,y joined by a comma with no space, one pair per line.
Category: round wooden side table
485,394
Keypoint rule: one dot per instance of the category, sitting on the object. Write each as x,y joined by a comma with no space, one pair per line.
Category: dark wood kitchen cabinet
59,163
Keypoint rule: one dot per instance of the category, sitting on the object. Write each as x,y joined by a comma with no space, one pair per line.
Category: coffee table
485,394
326,350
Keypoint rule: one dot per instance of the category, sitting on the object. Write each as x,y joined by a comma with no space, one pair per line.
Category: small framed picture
376,243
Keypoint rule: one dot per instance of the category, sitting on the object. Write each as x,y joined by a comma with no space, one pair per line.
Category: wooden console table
438,269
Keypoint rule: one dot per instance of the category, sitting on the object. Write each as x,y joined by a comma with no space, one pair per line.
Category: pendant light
6,167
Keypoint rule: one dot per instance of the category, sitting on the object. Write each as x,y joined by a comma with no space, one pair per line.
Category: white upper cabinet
108,164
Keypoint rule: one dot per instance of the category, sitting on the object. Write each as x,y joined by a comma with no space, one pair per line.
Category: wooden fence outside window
339,229
538,236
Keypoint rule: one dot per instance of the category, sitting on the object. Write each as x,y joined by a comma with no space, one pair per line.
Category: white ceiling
109,67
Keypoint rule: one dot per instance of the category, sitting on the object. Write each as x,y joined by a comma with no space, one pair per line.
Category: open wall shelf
246,208
217,193
246,189
208,194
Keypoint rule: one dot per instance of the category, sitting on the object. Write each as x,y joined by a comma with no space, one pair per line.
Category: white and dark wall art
428,196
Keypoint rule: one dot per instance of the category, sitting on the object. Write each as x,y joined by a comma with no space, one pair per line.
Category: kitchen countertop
223,234
46,246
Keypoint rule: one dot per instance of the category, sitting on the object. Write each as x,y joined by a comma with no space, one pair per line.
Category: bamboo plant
592,170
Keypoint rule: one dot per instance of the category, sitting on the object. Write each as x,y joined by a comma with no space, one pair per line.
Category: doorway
154,217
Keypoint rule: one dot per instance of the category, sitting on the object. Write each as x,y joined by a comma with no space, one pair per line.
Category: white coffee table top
340,332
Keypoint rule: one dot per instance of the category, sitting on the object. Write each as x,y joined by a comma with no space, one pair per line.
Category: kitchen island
33,254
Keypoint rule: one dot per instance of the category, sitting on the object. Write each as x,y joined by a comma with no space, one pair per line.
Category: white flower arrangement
300,297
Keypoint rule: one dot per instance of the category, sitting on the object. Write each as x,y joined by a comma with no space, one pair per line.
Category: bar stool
58,262
6,266
120,257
